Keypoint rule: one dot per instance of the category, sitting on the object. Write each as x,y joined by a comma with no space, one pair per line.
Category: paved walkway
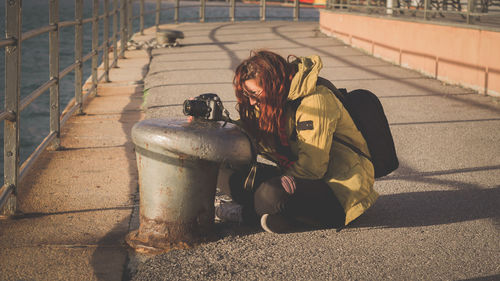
438,216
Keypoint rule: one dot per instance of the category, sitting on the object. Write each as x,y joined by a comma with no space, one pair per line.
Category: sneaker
275,223
229,212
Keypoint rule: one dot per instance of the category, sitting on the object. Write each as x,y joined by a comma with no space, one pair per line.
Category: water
34,125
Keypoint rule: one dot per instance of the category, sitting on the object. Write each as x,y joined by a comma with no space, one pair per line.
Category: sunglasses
252,95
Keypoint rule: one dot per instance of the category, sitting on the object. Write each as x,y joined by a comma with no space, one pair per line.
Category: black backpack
367,113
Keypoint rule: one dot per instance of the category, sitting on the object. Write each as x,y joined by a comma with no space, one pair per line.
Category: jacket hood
304,81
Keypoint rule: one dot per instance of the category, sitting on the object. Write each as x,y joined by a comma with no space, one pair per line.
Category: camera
207,106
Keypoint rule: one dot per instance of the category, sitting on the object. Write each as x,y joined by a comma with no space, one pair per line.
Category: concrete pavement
438,216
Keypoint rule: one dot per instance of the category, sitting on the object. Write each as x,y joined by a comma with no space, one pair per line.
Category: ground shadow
468,201
112,245
429,208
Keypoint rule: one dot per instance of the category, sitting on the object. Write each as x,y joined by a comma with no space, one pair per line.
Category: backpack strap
294,106
340,94
352,147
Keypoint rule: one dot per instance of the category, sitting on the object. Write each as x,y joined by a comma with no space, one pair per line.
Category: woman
317,182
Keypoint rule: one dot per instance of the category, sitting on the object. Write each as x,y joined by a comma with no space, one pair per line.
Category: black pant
312,204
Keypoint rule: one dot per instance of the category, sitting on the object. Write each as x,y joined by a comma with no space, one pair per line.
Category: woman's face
253,91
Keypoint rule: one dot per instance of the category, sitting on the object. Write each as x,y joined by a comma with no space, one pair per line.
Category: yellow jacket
310,130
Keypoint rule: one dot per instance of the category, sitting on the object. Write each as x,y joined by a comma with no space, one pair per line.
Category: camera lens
195,108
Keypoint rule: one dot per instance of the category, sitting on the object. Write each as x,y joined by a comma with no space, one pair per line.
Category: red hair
274,75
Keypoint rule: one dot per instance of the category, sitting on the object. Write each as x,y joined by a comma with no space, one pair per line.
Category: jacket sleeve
316,120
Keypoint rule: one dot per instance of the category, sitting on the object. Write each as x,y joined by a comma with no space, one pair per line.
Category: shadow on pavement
485,278
429,208
110,258
466,202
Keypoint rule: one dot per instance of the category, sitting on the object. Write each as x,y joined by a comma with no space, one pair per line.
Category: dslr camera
207,106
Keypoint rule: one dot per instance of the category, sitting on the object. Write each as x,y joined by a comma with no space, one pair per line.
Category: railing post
158,9
176,11
389,7
426,7
55,123
95,42
12,95
296,12
79,55
202,10
123,26
232,6
141,17
470,9
262,10
105,52
115,32
130,13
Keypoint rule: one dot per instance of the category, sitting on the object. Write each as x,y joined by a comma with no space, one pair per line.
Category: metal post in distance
55,121
141,20
105,52
157,19
470,9
426,7
262,10
79,55
115,32
202,10
123,27
232,7
130,13
95,42
176,12
296,11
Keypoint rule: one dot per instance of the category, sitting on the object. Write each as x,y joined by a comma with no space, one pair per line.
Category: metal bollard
178,163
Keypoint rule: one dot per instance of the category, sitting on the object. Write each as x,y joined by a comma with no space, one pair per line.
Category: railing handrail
424,8
14,173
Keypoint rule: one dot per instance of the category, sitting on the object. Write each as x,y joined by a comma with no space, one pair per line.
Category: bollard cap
199,139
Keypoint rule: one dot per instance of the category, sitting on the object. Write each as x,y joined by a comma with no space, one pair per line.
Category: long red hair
274,74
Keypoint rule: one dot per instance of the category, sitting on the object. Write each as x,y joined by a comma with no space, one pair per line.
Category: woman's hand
288,183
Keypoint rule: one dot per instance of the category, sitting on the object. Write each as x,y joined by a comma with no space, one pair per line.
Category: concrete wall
455,54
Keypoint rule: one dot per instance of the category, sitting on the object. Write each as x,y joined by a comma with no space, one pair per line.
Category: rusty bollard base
178,163
146,245
156,238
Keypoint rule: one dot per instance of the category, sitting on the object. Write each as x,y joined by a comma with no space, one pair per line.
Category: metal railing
477,12
13,171
118,14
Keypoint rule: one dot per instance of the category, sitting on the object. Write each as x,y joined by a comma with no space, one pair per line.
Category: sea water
34,124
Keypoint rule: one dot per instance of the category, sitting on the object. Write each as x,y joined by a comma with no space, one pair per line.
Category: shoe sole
275,224
263,223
